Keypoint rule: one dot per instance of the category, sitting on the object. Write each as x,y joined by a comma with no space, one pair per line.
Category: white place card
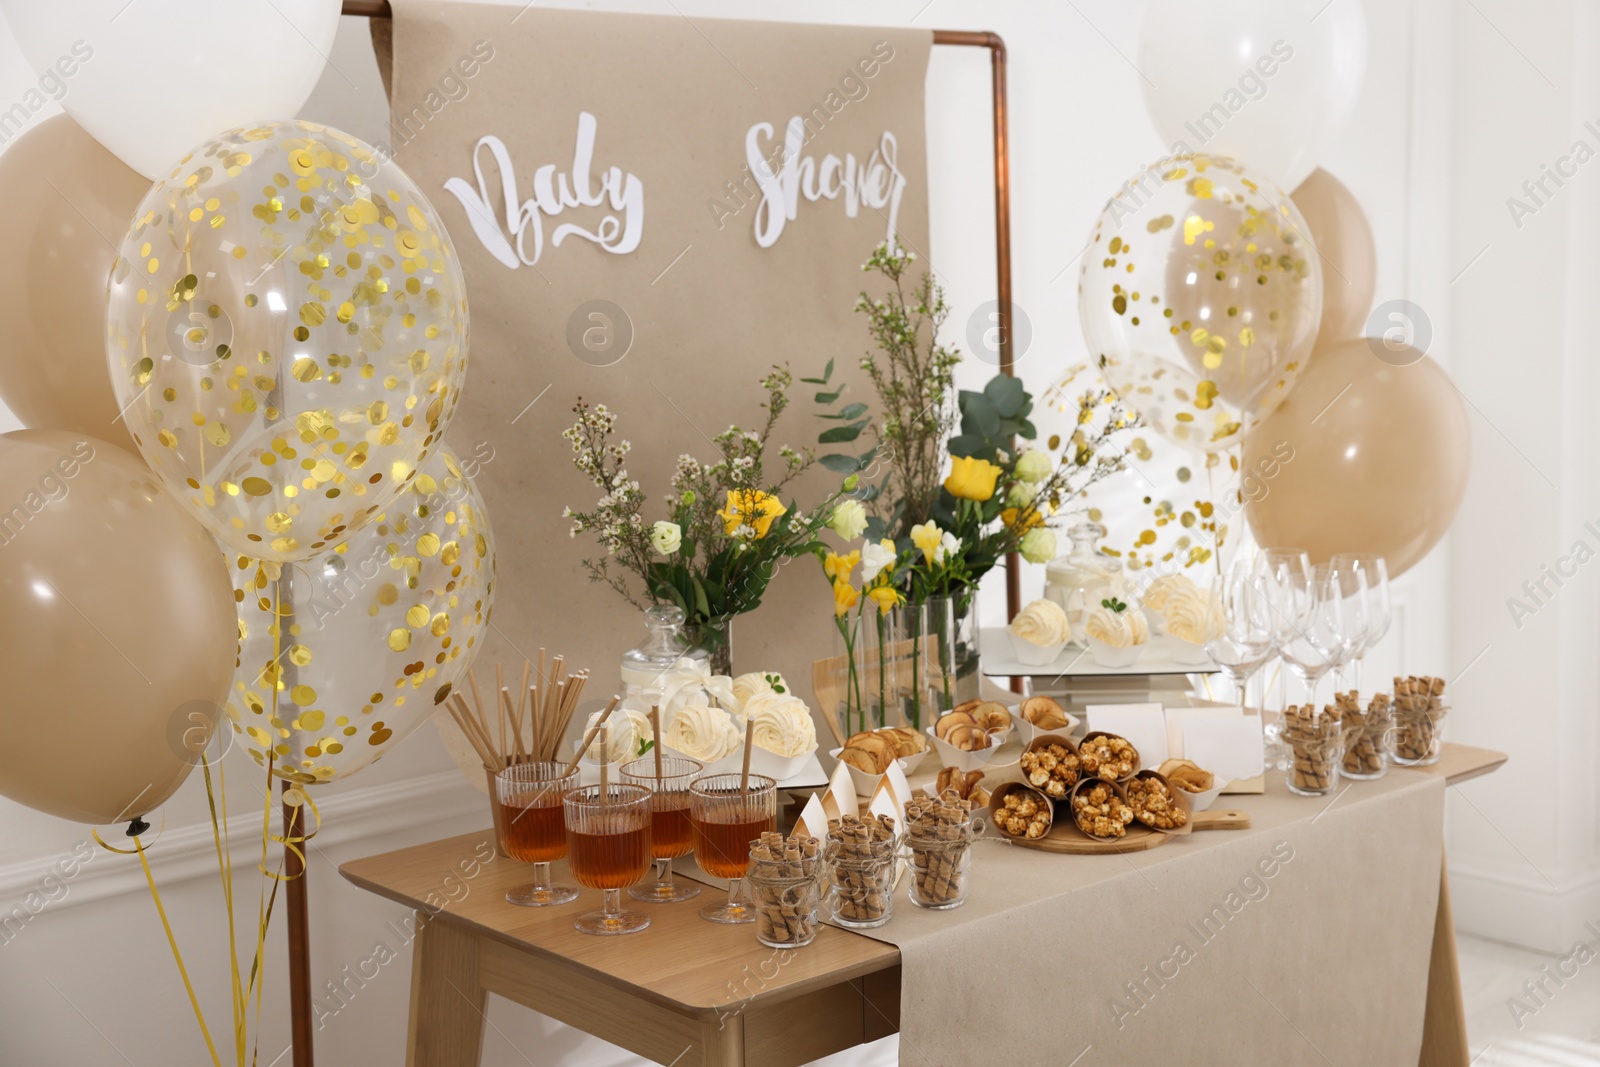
899,785
841,799
1230,748
1176,717
883,802
1144,726
813,820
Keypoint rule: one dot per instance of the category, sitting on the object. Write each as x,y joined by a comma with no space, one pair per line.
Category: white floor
1556,1026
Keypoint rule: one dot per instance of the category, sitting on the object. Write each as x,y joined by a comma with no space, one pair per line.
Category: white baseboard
186,852
1530,913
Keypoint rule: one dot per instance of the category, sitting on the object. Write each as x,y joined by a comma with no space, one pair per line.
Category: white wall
90,981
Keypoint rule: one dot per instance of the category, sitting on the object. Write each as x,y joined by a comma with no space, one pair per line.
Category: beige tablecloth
1303,940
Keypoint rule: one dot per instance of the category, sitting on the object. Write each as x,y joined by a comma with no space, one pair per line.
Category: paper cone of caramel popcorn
1044,741
1180,800
1069,812
1084,745
1000,818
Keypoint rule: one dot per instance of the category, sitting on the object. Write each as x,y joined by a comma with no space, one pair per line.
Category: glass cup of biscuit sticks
671,835
530,796
608,839
728,814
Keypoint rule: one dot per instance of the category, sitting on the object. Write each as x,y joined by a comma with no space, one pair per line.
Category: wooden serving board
1065,838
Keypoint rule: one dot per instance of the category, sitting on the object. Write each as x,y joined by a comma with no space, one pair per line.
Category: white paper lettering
877,183
509,239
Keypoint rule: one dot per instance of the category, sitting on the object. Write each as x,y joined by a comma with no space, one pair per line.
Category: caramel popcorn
1100,812
1108,756
1153,805
1053,769
1024,813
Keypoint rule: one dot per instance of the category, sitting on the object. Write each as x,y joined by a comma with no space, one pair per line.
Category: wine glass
1245,639
1380,608
727,814
1318,633
1282,571
667,778
1356,603
531,829
608,839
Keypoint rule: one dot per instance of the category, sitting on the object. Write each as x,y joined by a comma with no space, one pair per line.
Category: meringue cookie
1193,616
1118,629
1042,623
701,732
1164,587
781,723
748,685
627,728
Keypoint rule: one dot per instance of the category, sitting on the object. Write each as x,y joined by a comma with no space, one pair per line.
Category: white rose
1042,623
781,724
1038,546
849,519
665,537
1033,466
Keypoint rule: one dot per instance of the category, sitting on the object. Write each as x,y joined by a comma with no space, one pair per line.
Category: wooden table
689,992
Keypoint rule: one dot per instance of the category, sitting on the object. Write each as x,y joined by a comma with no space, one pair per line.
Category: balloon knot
137,827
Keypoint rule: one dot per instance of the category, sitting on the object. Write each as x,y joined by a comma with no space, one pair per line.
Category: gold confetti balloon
344,654
1200,294
287,335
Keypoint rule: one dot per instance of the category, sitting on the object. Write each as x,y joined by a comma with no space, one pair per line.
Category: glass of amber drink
671,835
531,828
608,848
726,818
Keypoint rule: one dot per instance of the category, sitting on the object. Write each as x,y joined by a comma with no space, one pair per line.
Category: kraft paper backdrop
710,308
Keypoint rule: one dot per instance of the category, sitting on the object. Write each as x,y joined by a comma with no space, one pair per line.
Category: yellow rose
845,597
838,567
971,478
752,508
928,538
1035,518
887,597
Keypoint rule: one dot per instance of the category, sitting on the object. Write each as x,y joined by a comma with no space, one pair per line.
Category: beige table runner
1303,940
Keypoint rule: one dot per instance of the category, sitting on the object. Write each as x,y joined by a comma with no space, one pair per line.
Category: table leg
447,999
1444,1017
722,1042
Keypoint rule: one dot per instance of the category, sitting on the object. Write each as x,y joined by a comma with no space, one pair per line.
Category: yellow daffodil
928,538
845,597
971,478
838,567
1010,517
887,597
752,508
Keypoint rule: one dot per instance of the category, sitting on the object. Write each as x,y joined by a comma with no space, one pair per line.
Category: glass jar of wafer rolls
939,836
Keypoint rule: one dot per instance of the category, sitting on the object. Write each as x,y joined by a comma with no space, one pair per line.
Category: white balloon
1268,82
151,79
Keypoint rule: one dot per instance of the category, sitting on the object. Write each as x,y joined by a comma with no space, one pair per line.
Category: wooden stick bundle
784,877
524,725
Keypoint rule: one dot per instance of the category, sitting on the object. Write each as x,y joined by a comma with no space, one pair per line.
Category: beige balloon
1366,455
68,202
119,632
1343,240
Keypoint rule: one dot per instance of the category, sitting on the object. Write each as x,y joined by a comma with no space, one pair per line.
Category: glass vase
714,638
951,625
864,674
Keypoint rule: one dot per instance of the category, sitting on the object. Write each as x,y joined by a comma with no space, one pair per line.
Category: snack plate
1066,839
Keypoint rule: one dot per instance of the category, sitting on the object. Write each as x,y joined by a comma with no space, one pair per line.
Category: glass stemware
530,796
1356,603
726,819
1380,608
1245,641
1282,571
608,841
671,836
1318,634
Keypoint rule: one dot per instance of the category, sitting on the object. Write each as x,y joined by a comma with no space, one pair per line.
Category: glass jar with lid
1079,580
645,668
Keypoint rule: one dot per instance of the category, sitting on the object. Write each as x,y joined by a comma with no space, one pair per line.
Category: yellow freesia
845,597
752,508
971,478
838,567
927,537
887,597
